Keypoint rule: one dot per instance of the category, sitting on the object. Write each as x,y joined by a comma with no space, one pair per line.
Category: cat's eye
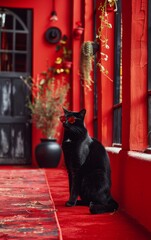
63,119
71,120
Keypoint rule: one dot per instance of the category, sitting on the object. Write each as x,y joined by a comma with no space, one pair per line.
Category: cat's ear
65,111
82,113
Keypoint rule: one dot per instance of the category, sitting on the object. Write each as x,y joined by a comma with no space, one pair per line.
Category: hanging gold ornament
58,60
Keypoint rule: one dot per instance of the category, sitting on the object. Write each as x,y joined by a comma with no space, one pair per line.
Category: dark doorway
15,61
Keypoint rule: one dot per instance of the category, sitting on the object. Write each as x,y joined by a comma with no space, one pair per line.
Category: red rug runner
26,207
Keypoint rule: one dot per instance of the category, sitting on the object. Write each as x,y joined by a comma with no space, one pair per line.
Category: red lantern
78,32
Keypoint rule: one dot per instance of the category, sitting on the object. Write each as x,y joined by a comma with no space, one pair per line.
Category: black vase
48,153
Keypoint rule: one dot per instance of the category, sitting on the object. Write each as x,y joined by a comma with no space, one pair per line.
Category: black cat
87,164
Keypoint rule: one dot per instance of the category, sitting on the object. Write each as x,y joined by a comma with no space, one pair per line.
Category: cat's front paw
70,204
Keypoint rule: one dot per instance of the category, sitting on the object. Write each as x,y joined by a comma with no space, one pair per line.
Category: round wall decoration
53,35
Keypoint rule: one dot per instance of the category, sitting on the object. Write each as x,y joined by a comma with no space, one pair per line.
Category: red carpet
26,207
78,223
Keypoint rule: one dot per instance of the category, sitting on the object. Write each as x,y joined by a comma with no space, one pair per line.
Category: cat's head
74,121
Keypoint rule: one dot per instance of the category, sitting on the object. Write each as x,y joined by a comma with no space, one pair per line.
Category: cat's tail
96,208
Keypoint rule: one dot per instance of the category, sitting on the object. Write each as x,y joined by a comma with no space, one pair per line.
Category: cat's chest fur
76,152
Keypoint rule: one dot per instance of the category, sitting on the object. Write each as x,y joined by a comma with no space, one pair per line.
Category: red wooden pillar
105,85
134,62
88,36
82,97
76,87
